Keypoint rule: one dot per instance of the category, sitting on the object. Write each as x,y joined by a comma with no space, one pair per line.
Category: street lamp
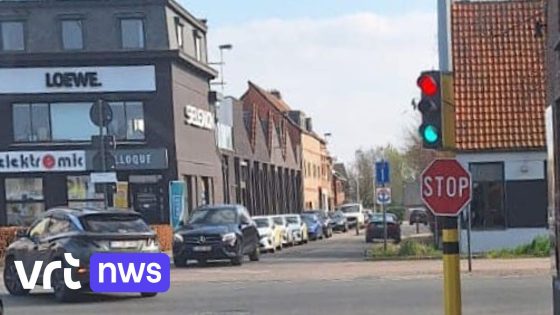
221,64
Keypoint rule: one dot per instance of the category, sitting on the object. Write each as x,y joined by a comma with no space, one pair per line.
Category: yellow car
270,234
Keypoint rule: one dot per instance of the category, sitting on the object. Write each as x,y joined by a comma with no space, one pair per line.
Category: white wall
531,162
483,241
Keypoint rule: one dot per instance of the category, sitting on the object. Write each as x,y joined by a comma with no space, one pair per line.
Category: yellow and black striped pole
451,267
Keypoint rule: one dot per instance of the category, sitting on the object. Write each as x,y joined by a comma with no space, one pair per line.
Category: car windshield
214,216
262,223
292,220
278,221
114,223
350,209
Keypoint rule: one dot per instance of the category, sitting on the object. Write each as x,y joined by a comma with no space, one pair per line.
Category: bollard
451,267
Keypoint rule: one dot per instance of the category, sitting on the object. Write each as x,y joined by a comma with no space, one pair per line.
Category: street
323,277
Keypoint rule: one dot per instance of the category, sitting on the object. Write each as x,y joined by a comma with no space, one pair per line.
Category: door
147,199
249,231
32,250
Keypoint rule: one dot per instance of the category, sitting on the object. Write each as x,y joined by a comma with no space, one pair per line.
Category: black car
339,221
375,228
418,216
81,232
325,221
222,232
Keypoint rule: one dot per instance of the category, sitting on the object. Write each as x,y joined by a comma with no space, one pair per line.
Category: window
12,36
179,28
72,34
40,228
132,33
24,200
41,122
487,206
71,122
128,121
81,192
59,225
31,122
197,45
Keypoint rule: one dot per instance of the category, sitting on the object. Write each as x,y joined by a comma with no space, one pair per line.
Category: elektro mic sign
42,161
77,79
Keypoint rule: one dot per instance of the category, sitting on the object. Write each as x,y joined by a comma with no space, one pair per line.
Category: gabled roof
275,101
498,65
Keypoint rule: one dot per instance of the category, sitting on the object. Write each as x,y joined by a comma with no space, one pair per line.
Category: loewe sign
72,79
77,79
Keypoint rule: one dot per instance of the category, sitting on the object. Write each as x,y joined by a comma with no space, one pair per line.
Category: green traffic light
430,134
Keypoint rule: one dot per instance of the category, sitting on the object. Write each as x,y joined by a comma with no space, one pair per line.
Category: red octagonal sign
446,187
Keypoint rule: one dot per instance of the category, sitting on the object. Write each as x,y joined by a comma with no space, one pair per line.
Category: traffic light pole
451,267
102,151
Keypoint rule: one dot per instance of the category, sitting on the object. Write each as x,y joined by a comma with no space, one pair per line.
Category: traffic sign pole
451,267
384,226
102,149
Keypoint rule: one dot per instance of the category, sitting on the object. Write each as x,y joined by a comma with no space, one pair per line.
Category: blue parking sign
382,175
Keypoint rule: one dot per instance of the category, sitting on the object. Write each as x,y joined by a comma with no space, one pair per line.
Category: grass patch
406,249
539,247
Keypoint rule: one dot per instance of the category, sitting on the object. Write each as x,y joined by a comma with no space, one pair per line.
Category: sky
350,65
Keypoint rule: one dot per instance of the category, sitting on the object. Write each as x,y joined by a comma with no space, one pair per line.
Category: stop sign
446,187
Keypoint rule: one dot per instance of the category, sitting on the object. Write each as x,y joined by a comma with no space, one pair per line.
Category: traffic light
437,107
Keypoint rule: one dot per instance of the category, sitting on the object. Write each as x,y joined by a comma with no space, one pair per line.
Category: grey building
148,60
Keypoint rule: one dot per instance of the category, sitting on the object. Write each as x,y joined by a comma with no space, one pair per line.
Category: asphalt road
311,279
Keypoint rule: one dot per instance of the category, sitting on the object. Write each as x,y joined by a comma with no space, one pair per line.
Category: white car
297,228
270,234
354,213
287,237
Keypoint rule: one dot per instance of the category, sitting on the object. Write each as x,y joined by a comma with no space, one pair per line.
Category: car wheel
11,279
255,255
238,260
148,294
179,261
61,292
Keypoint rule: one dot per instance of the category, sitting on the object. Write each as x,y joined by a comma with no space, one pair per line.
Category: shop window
132,33
72,34
41,122
487,205
128,121
205,193
31,122
13,38
81,192
24,200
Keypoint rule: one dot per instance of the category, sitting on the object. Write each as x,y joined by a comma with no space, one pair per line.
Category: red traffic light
428,85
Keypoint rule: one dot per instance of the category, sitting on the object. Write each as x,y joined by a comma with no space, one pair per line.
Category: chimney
309,124
276,94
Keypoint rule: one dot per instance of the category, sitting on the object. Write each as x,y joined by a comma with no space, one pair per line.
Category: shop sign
78,79
135,159
42,161
199,118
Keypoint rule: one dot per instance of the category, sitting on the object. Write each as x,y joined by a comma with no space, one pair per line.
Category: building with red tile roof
500,95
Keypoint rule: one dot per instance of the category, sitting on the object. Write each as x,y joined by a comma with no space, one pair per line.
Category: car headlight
178,238
229,238
152,244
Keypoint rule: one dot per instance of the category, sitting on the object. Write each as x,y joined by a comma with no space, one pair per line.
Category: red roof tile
498,65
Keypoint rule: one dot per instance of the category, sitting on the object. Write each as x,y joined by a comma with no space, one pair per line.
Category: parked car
217,232
375,229
297,228
324,219
270,234
418,215
314,226
354,213
379,215
80,232
287,235
338,221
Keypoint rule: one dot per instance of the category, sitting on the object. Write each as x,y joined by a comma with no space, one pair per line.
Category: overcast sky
349,64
